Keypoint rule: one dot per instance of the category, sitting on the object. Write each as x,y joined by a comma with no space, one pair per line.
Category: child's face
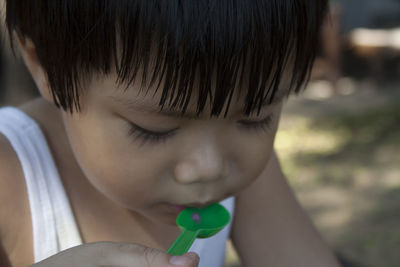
197,161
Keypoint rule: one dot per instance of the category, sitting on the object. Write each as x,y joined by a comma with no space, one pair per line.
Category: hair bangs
213,49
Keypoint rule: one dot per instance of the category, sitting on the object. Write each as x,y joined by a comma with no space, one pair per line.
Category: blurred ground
342,156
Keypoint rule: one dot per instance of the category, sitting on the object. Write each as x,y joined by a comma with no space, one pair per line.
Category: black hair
216,42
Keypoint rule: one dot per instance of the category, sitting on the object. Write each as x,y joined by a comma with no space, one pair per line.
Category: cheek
257,159
114,166
251,159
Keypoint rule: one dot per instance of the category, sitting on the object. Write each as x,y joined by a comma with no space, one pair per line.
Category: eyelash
148,136
145,136
263,125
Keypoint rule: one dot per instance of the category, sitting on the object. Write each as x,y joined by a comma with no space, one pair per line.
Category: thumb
156,258
187,260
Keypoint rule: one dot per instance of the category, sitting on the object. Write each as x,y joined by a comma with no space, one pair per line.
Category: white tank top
53,223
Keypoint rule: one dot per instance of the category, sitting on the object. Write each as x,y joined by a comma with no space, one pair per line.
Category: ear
28,53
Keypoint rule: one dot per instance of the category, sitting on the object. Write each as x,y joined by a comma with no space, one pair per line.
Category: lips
177,207
199,205
194,205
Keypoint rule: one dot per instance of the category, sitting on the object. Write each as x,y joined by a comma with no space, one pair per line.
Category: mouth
175,207
190,205
200,205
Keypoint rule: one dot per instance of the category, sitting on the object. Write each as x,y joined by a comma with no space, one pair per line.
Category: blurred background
339,141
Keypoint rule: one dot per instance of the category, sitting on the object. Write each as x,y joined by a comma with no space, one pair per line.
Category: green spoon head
208,220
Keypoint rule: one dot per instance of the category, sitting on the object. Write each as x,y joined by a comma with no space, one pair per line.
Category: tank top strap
53,224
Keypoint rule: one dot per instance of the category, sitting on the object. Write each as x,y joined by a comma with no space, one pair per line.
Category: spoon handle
183,242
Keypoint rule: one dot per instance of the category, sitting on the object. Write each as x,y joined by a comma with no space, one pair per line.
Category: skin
126,185
196,164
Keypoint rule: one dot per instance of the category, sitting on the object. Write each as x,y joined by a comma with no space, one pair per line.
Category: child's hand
117,254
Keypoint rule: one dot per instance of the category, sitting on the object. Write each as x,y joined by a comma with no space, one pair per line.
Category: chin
171,221
165,218
159,214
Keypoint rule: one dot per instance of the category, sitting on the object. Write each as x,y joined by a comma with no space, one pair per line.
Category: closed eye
144,135
264,124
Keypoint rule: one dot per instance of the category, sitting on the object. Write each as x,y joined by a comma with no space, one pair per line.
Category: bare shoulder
12,184
15,221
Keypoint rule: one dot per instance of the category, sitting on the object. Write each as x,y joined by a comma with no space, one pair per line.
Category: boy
148,107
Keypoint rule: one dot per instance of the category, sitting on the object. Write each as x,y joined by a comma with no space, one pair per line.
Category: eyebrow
141,106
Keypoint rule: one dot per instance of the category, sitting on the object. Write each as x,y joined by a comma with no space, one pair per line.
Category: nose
203,164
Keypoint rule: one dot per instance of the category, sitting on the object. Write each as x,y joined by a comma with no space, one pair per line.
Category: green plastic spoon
201,223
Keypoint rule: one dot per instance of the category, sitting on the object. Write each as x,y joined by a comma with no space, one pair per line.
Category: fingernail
182,260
